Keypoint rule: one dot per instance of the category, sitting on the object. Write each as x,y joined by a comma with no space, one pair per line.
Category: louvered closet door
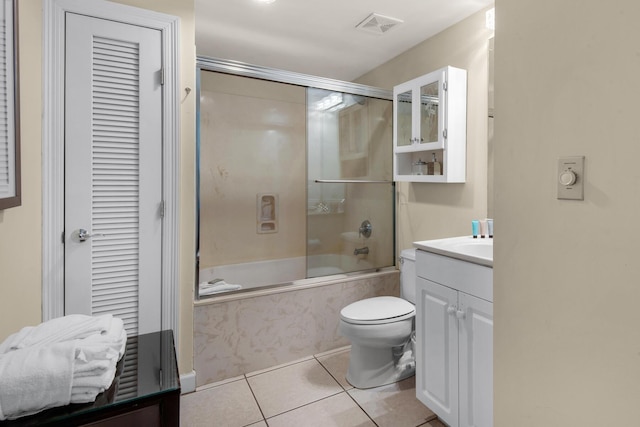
113,171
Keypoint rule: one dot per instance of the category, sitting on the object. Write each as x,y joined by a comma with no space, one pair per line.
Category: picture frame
10,164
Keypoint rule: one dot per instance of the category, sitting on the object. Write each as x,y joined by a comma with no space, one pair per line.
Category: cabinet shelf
431,108
417,148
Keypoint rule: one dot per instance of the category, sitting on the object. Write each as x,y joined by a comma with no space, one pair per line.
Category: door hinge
444,86
162,76
62,236
162,209
444,134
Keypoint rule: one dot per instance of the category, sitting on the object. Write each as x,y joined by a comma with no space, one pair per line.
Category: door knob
84,235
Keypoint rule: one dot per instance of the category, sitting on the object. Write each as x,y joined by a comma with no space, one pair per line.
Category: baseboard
188,382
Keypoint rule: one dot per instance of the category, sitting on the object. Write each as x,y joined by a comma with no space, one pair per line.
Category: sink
466,248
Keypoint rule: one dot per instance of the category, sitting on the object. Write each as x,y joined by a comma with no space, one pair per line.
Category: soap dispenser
435,167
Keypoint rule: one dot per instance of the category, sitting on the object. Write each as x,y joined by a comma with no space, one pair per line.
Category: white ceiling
319,37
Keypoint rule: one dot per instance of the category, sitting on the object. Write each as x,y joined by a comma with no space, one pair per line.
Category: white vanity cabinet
454,334
430,118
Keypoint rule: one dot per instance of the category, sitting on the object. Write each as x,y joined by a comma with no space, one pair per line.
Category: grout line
306,404
256,400
329,372
359,406
435,417
347,393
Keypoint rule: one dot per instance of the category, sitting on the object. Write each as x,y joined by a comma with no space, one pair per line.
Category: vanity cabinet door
437,349
475,361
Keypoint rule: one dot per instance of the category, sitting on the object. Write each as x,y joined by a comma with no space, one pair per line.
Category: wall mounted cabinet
454,331
430,119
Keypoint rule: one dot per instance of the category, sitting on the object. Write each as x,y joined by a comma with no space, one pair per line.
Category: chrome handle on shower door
84,235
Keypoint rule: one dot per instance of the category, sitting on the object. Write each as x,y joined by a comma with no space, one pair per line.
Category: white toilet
380,330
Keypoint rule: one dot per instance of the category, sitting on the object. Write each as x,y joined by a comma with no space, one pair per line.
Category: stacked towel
66,328
216,286
34,379
95,362
71,359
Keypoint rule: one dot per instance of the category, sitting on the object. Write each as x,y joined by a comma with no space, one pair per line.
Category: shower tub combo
295,213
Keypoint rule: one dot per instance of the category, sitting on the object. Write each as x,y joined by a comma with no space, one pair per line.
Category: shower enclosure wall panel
252,142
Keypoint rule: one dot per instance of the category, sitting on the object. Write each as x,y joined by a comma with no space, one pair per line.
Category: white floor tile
393,405
335,411
293,386
227,405
337,364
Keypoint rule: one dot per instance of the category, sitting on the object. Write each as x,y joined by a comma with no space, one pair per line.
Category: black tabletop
148,368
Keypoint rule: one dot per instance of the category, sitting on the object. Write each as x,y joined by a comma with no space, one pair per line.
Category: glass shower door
350,194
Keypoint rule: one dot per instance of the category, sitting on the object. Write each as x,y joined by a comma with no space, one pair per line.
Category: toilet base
373,367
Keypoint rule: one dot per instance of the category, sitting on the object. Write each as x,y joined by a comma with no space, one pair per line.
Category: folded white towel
84,397
66,360
90,368
35,379
115,338
95,363
71,327
216,286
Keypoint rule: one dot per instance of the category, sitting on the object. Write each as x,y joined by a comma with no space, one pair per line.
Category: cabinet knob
451,309
460,314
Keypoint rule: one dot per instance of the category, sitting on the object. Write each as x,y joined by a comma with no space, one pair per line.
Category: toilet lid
378,310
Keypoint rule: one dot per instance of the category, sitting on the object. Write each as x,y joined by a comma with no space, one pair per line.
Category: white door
476,362
113,171
437,350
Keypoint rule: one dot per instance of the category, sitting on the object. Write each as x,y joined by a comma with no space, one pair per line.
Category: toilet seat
377,310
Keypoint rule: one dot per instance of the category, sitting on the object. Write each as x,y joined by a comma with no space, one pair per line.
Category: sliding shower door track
352,181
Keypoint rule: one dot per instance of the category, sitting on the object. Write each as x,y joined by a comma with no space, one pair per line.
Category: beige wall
430,211
566,273
20,228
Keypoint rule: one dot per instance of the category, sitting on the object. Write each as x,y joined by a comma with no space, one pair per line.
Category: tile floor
306,393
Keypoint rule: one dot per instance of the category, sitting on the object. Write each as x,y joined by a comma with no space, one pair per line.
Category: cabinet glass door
429,112
404,131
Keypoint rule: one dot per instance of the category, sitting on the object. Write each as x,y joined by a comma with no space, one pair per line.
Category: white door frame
53,147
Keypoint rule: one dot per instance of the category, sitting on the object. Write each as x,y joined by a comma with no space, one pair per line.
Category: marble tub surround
238,336
308,392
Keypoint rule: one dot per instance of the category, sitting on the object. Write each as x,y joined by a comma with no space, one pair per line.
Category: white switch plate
574,165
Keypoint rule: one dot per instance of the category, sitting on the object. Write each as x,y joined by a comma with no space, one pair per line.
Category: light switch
570,178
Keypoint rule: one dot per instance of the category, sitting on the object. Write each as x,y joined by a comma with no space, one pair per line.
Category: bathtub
259,274
236,333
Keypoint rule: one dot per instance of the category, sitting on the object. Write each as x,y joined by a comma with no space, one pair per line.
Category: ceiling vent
378,24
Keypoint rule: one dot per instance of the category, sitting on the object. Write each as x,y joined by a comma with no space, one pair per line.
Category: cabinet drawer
467,277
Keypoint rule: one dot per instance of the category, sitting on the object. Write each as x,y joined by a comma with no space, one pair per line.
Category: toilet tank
408,275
